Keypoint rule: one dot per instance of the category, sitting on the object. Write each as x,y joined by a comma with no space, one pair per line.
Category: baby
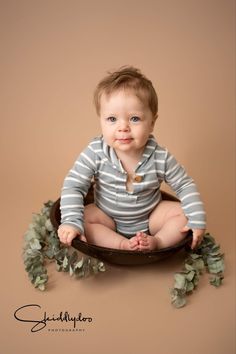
128,166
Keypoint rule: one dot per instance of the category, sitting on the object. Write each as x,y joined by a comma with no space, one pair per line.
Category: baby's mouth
124,140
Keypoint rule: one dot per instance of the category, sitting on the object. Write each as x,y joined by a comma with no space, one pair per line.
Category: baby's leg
166,223
100,230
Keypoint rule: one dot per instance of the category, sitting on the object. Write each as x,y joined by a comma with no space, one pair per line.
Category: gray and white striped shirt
129,210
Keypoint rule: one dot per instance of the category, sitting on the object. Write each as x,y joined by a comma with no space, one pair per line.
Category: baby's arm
186,190
75,188
67,233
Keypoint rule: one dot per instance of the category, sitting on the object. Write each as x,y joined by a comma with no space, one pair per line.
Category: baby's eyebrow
136,114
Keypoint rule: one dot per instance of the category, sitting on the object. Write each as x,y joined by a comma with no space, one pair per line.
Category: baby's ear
154,120
155,117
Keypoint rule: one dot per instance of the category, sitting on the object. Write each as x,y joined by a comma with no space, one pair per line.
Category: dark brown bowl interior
115,256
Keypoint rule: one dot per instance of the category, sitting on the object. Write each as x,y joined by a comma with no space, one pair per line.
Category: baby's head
130,79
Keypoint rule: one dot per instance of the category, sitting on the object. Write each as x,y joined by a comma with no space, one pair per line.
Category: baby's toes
143,239
144,245
139,235
134,243
143,242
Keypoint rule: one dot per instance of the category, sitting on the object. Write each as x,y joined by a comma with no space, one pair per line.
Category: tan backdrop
53,54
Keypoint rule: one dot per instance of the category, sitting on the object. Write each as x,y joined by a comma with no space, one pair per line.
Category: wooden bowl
115,256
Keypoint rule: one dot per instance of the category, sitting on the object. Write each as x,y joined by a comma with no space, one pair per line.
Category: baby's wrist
70,227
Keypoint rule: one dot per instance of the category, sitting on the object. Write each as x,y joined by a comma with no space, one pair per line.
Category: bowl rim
187,240
100,250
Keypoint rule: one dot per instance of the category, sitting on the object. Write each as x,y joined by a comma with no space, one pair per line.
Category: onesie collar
110,153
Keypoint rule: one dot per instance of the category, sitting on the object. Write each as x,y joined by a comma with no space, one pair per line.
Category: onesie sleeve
186,190
75,189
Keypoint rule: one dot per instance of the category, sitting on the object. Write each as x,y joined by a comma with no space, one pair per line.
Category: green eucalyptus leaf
80,273
48,225
35,244
73,258
195,256
216,280
71,271
95,269
190,275
101,267
188,267
31,277
179,302
37,269
199,264
65,262
36,218
180,281
60,255
216,267
58,267
41,281
37,281
41,287
49,253
195,280
190,287
79,264
31,235
215,251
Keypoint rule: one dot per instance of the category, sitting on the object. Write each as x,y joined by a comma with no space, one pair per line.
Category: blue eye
135,119
111,119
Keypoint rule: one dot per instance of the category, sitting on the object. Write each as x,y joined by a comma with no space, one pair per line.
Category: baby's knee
174,209
177,212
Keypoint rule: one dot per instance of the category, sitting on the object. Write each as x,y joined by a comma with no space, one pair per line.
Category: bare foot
130,244
146,242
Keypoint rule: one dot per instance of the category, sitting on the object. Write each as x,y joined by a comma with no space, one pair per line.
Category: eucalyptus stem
206,258
42,244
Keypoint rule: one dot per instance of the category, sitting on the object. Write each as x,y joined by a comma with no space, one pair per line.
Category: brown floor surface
52,55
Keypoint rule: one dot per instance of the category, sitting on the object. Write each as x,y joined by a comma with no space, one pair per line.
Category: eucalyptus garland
42,245
207,257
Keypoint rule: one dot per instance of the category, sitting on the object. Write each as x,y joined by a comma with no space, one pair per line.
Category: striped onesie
129,210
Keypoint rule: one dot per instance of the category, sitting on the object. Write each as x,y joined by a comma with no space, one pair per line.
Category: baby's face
126,121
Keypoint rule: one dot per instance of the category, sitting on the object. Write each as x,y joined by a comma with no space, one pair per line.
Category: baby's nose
124,126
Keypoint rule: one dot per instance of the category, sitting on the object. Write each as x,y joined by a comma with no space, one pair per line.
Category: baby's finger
196,241
63,238
62,234
70,237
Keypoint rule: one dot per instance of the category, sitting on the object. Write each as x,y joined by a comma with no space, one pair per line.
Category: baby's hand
67,233
197,236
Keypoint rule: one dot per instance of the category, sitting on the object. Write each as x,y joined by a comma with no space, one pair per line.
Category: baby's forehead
121,102
138,96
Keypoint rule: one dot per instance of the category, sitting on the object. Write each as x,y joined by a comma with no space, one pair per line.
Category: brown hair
127,77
